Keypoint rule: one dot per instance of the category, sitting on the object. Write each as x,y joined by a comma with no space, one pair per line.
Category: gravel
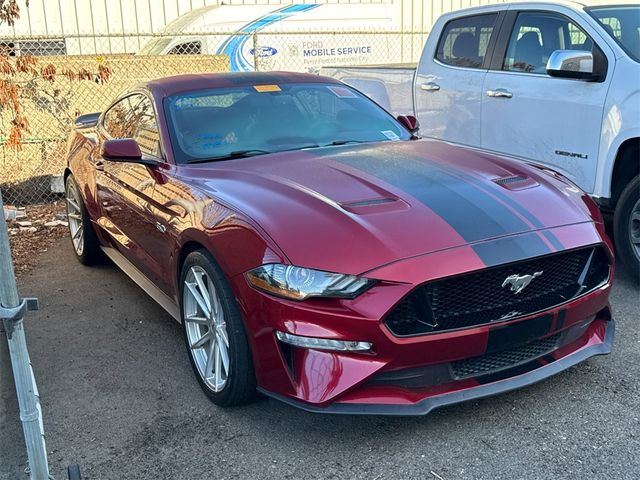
32,235
119,398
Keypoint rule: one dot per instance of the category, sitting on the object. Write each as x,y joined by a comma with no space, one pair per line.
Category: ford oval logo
264,52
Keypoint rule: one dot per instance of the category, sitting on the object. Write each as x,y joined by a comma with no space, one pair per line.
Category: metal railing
12,312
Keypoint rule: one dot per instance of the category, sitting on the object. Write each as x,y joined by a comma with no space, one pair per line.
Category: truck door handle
499,93
430,87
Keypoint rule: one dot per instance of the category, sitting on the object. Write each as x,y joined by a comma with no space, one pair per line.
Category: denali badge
519,282
572,154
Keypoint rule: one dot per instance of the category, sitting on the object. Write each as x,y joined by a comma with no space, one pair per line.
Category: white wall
61,18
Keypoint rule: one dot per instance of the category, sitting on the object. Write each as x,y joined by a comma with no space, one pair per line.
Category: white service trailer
297,37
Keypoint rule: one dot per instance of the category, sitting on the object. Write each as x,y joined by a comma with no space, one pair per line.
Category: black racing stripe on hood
553,240
511,249
535,221
473,213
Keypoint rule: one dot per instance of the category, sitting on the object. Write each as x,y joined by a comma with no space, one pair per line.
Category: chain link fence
31,173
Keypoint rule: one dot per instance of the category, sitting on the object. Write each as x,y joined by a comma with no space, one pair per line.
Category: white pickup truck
556,83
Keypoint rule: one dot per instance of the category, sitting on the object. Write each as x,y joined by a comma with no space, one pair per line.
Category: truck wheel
626,227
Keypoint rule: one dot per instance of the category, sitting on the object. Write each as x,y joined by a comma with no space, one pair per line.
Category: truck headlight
297,283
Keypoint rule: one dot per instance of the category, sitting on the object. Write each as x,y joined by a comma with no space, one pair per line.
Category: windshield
623,24
252,120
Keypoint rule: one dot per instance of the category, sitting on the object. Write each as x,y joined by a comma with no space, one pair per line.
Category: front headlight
297,283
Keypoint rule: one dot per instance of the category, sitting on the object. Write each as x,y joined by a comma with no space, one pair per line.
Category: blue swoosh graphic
234,45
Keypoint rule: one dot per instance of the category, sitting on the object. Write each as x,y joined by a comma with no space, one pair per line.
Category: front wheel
214,332
626,227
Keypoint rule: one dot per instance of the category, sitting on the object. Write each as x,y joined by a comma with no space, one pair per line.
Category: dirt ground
34,234
119,399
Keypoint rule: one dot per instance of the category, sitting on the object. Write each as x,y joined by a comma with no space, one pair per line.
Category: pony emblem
519,282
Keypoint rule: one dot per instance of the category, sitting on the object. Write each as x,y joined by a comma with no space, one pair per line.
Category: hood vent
375,205
515,182
508,180
366,203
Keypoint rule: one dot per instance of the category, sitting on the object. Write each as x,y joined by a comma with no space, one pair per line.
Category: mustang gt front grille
499,293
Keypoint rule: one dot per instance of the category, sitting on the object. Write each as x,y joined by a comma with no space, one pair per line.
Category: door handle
430,87
99,165
499,93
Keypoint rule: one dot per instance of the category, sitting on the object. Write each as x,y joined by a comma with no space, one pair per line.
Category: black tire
90,254
240,387
625,228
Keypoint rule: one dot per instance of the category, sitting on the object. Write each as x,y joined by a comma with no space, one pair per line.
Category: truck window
622,23
464,41
536,35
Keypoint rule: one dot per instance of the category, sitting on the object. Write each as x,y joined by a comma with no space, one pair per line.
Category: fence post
256,54
12,310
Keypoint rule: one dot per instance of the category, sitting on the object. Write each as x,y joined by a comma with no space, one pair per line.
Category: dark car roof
199,81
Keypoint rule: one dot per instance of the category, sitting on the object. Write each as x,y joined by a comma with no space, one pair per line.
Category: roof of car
199,81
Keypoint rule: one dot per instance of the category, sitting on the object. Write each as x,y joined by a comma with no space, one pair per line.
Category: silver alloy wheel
206,328
634,228
74,217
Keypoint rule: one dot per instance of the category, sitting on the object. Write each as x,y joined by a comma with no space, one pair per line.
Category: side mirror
87,120
124,150
410,123
577,64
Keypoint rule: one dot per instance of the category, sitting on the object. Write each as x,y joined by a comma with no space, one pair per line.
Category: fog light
323,343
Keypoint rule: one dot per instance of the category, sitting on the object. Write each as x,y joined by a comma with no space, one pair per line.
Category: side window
133,117
146,132
118,121
464,41
536,35
612,26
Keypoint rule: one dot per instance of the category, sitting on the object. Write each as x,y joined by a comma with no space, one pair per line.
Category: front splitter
425,406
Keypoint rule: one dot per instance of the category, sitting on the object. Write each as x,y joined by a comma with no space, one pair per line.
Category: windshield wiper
344,142
250,153
235,154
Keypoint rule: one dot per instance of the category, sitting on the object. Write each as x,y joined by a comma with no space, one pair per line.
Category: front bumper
597,345
375,382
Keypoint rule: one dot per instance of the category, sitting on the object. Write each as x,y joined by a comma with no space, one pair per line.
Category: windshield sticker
207,141
342,92
390,134
266,88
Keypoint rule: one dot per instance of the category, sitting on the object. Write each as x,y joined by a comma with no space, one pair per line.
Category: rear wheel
626,227
83,238
214,333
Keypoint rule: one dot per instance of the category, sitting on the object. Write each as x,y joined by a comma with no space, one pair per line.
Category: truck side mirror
577,64
410,123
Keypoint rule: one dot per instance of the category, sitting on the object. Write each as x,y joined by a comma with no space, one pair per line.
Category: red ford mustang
316,250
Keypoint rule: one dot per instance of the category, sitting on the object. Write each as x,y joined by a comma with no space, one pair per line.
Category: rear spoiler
87,120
